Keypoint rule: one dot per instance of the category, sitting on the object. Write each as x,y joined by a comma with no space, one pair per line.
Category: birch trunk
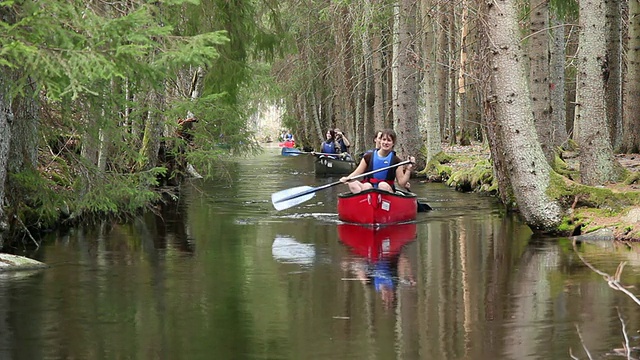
522,156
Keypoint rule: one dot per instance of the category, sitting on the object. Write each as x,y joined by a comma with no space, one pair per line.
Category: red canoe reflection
376,243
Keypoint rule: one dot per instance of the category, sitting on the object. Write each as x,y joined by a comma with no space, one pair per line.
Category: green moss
435,166
475,174
569,224
592,229
561,167
442,158
476,178
632,178
571,194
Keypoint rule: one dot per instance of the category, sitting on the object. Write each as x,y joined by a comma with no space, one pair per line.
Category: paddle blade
423,207
287,198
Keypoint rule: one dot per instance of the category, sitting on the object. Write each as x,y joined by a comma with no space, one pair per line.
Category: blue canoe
291,151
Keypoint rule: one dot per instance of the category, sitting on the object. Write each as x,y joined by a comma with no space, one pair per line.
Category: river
222,275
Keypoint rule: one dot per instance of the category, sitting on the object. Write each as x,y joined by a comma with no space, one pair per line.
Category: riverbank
468,169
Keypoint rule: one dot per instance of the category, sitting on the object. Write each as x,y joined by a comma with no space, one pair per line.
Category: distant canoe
329,166
287,144
376,207
287,151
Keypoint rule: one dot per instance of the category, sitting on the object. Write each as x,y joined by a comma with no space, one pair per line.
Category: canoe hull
287,144
287,151
375,207
326,166
377,243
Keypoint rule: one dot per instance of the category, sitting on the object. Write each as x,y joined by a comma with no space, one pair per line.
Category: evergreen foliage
95,68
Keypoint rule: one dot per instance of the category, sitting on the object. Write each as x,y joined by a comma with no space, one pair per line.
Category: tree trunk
428,111
556,88
374,52
442,71
23,150
152,131
631,135
539,75
405,82
6,118
369,128
522,156
613,79
591,129
451,80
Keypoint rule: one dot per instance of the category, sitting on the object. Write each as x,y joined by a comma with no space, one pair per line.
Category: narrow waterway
223,275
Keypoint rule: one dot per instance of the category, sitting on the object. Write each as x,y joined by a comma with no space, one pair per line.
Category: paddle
285,199
422,207
324,154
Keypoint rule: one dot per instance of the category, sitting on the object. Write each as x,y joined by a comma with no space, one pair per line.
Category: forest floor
620,226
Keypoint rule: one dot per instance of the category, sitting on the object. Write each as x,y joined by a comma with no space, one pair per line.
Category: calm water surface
222,275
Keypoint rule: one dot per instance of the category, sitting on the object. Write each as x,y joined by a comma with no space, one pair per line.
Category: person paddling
380,158
330,146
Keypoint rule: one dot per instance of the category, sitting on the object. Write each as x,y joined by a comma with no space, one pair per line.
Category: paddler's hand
344,179
410,166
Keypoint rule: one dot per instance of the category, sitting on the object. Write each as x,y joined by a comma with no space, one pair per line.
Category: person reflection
384,274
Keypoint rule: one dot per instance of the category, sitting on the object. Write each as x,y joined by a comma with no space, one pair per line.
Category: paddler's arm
362,166
403,173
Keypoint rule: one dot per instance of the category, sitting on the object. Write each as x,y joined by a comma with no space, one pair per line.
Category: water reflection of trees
487,289
614,282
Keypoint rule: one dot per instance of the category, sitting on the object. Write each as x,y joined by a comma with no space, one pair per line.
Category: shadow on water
224,273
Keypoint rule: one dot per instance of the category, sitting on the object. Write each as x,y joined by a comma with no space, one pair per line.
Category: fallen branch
612,281
583,345
27,232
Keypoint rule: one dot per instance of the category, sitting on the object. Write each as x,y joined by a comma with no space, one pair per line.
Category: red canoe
376,243
287,144
377,207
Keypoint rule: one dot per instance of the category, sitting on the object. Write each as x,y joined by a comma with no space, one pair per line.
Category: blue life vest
379,162
382,276
376,162
328,148
343,147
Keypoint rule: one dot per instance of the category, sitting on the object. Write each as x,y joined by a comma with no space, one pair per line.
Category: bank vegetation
106,107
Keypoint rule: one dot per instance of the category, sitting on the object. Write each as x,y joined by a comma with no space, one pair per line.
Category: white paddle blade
291,199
